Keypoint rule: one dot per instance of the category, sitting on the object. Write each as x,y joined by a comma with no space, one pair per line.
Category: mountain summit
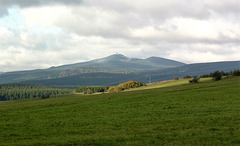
121,62
116,57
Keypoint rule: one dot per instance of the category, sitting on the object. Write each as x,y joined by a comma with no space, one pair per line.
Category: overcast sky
55,32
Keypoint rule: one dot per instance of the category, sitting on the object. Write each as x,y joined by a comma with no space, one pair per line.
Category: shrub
111,90
187,77
130,84
176,78
194,80
217,75
88,91
118,89
125,85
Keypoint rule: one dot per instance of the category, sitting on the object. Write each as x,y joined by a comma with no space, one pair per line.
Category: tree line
217,75
90,90
21,91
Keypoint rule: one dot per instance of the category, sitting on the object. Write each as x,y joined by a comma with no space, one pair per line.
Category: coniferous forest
21,91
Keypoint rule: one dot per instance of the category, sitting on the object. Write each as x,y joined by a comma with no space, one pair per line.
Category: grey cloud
224,7
26,3
5,4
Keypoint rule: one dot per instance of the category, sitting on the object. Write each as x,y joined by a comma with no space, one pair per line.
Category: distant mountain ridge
121,62
112,79
113,70
116,62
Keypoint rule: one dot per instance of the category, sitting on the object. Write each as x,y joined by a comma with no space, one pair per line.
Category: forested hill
116,62
110,79
13,77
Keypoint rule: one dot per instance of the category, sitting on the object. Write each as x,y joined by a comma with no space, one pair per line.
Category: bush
118,89
176,78
125,85
111,90
130,84
194,80
88,91
187,77
217,75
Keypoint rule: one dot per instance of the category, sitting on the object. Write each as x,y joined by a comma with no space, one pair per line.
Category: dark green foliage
176,78
194,80
45,95
92,89
21,91
235,73
205,75
217,75
187,77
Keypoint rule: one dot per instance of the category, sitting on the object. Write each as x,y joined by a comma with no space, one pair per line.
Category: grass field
206,113
169,83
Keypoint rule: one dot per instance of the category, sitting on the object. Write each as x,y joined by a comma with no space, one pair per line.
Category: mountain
116,62
111,79
121,62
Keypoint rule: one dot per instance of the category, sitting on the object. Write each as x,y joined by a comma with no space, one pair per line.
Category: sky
44,33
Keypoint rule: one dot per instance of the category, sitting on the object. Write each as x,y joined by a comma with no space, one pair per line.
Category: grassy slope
169,83
203,114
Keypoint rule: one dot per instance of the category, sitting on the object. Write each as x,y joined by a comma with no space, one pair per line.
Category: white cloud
43,34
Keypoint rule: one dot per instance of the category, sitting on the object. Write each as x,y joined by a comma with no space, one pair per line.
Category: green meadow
206,113
169,83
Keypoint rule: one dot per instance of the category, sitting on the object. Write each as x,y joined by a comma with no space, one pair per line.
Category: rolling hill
116,62
206,113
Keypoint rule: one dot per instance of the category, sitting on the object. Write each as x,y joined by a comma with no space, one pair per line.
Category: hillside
111,79
116,62
197,114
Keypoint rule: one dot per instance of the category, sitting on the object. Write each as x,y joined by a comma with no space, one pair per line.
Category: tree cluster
90,90
217,75
235,73
125,85
194,80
